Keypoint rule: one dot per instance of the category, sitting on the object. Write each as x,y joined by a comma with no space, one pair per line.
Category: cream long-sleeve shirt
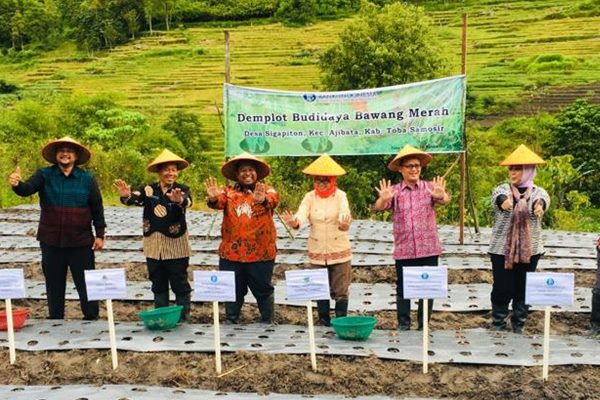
327,244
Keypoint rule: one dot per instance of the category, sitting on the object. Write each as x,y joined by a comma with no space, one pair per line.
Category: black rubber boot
266,307
499,315
232,312
403,313
595,314
161,299
519,316
341,308
184,300
323,308
420,312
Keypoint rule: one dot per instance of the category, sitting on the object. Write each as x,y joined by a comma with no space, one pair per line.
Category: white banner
214,286
12,284
550,289
103,284
425,282
307,284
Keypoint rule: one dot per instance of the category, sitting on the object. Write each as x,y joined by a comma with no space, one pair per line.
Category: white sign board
550,289
307,284
12,284
425,282
103,284
214,286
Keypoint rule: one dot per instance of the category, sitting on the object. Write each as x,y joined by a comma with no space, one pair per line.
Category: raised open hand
212,189
438,190
344,223
385,191
289,219
15,177
260,192
122,187
175,196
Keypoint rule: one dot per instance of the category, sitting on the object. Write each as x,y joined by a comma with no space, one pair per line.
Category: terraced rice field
184,69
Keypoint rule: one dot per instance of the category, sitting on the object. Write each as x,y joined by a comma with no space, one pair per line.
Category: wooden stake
311,336
425,334
546,343
111,334
11,332
217,328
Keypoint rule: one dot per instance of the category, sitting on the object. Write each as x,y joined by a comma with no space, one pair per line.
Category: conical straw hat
49,150
324,166
406,151
229,169
522,156
167,157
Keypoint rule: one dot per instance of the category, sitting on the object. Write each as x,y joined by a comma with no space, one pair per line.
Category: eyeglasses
515,168
412,166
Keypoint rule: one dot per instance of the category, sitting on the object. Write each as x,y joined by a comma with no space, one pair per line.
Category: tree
150,8
168,6
186,127
133,25
576,133
297,12
382,47
17,30
391,46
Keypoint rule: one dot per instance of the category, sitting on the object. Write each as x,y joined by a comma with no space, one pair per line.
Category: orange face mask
324,193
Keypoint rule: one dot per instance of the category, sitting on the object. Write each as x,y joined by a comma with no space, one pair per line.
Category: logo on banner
307,279
550,282
424,276
310,97
214,278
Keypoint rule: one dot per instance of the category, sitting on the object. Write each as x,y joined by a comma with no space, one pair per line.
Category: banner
428,115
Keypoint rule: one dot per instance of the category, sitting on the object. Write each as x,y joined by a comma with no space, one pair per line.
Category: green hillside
516,49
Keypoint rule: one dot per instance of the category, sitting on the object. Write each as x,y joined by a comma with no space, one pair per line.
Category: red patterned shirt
248,231
414,217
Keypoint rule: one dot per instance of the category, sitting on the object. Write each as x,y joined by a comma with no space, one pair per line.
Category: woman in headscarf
327,211
166,244
516,244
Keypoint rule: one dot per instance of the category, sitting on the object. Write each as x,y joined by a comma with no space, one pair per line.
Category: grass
513,46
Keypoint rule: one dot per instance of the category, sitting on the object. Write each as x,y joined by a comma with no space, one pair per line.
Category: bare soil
267,373
353,376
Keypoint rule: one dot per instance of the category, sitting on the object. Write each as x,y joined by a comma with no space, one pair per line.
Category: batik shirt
248,231
414,221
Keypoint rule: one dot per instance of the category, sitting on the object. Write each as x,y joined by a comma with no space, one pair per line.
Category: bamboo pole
463,157
227,58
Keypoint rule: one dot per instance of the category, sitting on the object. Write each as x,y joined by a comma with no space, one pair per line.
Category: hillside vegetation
517,51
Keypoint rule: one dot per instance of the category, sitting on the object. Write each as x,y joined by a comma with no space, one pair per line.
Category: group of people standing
71,204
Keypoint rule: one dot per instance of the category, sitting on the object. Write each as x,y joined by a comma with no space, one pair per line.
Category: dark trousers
510,284
414,262
163,272
597,285
402,304
55,262
256,275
